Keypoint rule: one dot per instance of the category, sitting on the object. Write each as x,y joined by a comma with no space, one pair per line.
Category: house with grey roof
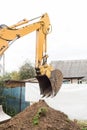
74,71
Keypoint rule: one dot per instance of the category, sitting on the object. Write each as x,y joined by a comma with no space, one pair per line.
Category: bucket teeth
50,86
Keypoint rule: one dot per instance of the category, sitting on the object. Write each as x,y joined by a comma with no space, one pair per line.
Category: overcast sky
68,39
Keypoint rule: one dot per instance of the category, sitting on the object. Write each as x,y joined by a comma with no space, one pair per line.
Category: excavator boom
49,79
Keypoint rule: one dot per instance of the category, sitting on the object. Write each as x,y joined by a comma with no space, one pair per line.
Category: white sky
68,39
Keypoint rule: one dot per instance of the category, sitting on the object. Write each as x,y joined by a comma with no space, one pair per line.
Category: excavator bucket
50,86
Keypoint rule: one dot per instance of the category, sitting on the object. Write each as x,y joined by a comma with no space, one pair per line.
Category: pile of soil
40,116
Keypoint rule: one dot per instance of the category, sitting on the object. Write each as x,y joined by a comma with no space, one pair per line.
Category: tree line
26,71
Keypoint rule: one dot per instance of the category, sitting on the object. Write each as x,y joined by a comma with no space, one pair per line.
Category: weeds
41,112
83,125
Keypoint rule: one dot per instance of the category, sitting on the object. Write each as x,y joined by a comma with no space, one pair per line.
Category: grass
41,112
83,125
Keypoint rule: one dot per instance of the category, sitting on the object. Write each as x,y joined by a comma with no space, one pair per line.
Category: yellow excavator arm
49,79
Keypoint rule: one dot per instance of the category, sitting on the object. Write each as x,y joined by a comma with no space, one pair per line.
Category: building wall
72,81
17,98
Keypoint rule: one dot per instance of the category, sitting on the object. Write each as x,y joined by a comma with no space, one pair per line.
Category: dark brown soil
40,116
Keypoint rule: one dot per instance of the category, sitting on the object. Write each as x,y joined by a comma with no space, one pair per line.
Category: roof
71,68
18,83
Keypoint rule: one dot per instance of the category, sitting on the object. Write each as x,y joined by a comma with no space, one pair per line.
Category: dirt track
40,116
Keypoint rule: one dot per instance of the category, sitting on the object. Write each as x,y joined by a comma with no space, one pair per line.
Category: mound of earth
40,116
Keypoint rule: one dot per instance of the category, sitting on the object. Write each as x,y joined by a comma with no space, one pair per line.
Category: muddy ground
40,116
